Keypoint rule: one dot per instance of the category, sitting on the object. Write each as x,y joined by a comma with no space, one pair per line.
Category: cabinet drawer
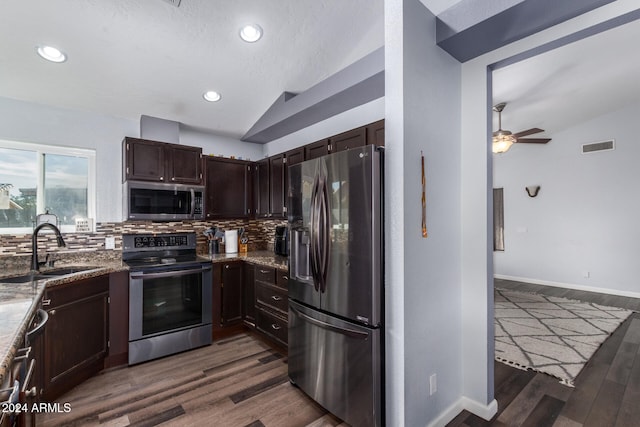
272,297
272,325
282,279
265,274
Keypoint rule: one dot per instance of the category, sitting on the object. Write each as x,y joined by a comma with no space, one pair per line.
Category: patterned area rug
553,335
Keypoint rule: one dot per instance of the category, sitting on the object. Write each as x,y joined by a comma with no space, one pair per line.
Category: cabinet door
316,149
248,294
262,189
184,164
295,156
276,186
75,338
375,133
346,140
231,293
228,189
144,160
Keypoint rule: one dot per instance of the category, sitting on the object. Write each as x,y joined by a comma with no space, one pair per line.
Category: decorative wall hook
532,190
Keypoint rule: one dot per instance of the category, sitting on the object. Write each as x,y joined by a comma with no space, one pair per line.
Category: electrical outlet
109,242
586,274
433,384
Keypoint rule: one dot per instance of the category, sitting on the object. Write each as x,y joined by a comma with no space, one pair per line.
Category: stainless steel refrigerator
336,351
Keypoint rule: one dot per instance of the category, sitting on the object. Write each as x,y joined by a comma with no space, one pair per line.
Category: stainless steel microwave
156,201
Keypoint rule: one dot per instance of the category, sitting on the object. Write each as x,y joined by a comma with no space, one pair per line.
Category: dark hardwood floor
238,381
606,393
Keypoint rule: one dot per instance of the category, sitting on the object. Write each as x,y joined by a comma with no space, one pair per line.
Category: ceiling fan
503,139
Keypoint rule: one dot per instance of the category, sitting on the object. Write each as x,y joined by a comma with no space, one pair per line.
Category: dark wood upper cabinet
184,164
145,160
375,133
316,149
295,156
262,196
228,188
270,187
277,185
350,139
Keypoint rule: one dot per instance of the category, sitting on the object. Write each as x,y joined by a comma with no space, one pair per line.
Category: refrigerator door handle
313,230
324,237
344,331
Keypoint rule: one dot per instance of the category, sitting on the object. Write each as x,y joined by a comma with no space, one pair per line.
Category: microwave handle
193,202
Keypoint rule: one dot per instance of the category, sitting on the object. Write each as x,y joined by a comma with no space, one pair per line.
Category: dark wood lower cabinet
272,305
118,319
248,295
76,334
227,298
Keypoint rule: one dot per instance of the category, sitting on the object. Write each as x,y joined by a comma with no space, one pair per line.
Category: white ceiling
128,58
571,84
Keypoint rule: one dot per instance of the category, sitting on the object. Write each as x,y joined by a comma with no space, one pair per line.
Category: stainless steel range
170,295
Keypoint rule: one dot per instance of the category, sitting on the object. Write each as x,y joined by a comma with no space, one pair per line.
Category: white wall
585,217
422,96
28,122
477,251
220,145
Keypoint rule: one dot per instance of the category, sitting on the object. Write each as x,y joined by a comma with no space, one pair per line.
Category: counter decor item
231,241
424,199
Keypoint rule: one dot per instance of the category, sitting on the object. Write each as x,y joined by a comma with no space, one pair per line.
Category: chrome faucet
35,265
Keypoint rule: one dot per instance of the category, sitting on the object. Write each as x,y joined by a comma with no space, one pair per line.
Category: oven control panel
135,243
160,241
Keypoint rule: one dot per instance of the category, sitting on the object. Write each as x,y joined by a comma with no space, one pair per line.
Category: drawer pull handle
285,278
276,298
264,271
276,327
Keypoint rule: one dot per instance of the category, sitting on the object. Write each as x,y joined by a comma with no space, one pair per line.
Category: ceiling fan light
502,142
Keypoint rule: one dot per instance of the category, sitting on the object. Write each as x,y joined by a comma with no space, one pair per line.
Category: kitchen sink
23,279
48,274
66,270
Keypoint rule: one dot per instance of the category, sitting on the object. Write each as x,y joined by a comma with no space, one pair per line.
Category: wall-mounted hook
532,190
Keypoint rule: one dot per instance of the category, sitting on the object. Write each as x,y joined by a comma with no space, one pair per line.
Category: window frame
40,150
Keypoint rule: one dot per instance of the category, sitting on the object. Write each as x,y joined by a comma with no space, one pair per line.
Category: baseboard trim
464,403
569,286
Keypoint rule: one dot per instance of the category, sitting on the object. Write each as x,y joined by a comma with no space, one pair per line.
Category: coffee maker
281,241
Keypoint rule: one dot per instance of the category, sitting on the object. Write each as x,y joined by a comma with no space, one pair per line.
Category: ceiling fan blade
528,132
533,140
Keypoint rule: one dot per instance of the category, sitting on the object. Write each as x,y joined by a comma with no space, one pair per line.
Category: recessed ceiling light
51,53
251,33
212,96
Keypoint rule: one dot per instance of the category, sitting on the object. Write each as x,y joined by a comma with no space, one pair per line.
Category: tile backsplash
259,232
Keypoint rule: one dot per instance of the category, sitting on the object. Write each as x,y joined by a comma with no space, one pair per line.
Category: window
36,178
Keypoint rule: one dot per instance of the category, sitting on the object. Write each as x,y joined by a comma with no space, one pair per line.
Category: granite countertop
266,258
20,301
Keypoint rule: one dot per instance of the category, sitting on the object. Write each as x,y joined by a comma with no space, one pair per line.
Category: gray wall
423,275
584,220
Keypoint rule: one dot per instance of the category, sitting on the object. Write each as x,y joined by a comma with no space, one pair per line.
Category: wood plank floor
239,381
606,393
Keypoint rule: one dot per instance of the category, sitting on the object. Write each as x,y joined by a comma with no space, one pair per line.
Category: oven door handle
172,273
